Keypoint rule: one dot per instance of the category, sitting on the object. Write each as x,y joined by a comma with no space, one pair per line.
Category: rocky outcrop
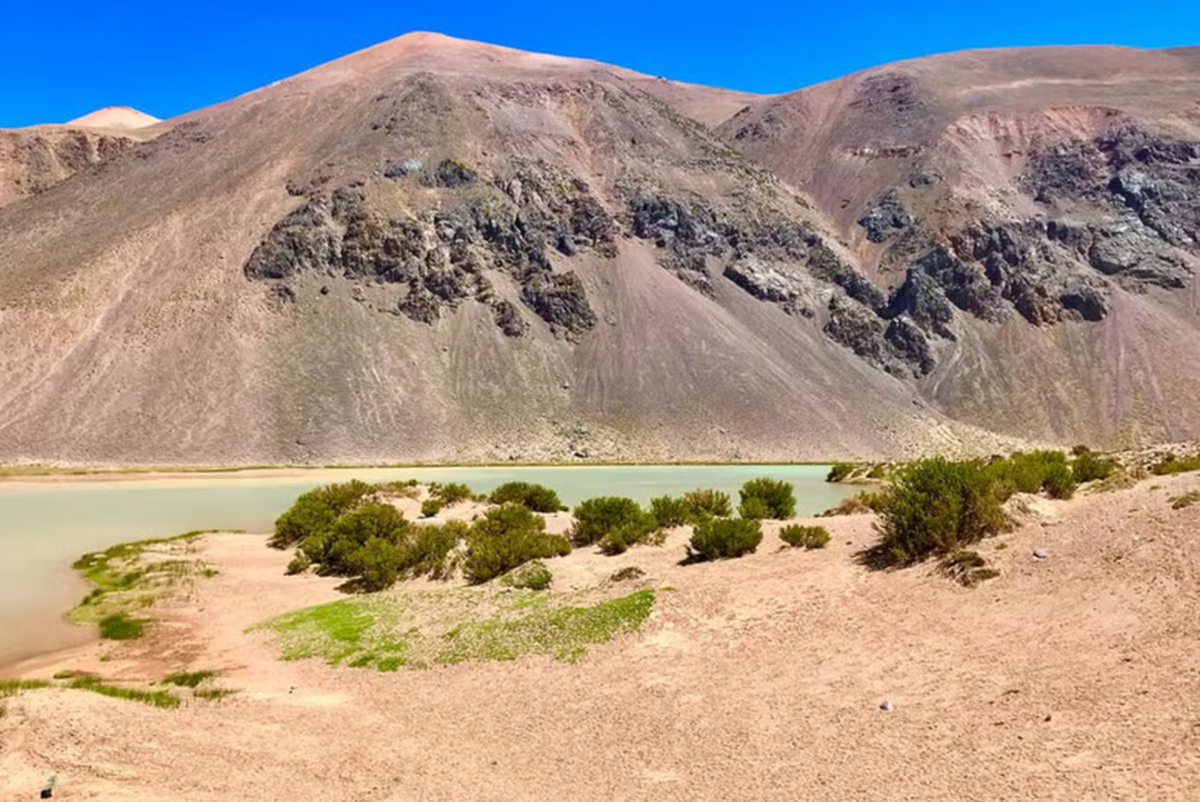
885,218
438,258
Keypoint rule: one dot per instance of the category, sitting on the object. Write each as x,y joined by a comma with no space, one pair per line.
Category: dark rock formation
885,218
559,299
509,320
450,174
403,168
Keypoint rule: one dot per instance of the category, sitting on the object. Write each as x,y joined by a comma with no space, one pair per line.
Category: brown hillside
437,249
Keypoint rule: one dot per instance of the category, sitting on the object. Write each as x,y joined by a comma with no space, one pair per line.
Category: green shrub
600,517
451,493
1172,464
669,511
299,563
720,538
530,576
1026,472
703,504
1091,467
535,497
432,552
188,679
506,537
376,564
840,471
809,537
119,626
935,506
1059,481
767,498
968,567
315,511
431,507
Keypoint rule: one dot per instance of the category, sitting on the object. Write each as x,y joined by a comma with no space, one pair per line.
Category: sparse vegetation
1088,466
1031,472
858,504
451,493
669,511
213,694
163,699
1185,500
188,679
767,498
431,507
722,538
968,567
1171,464
119,626
315,512
532,575
535,497
454,626
808,537
841,471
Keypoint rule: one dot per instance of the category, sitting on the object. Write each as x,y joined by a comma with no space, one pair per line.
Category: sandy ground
1071,678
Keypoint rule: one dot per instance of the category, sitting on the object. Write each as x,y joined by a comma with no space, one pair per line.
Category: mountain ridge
483,254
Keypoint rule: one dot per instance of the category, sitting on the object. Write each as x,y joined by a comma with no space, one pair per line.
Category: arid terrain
1076,676
436,249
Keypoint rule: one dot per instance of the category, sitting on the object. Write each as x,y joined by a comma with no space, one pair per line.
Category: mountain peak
122,118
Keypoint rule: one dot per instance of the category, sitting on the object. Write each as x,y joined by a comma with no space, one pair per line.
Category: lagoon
45,524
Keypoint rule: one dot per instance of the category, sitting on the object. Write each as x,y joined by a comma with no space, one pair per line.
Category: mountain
1035,211
36,158
439,249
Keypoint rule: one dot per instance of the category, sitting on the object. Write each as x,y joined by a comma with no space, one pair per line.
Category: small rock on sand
887,706
1040,554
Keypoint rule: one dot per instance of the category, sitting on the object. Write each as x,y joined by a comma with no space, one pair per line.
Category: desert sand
1075,677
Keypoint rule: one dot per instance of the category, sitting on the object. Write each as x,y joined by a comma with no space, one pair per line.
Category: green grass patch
1171,464
1185,500
163,699
213,694
11,687
119,626
446,627
131,576
188,679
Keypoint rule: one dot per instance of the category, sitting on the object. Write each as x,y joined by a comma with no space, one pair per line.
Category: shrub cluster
530,576
374,545
767,498
1033,471
1172,464
1088,466
808,537
840,471
535,497
690,508
721,538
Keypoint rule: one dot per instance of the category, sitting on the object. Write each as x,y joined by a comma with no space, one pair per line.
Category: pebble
887,706
1040,554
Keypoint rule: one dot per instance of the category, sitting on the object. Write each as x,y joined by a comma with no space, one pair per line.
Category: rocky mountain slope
1035,212
437,249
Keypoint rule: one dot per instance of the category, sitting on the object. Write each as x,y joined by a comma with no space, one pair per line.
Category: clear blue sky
59,60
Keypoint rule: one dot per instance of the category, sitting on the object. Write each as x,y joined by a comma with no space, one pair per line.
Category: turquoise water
45,526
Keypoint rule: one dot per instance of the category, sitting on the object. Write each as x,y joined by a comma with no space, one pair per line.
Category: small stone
1040,554
887,706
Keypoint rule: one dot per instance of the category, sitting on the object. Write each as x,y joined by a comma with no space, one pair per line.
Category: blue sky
61,60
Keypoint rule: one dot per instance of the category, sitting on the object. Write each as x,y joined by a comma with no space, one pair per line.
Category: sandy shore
1074,677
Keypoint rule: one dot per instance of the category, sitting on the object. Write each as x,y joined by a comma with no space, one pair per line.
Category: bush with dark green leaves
431,506
1027,472
669,511
315,512
1088,466
840,471
722,538
767,498
1059,481
703,504
450,493
535,497
506,537
598,518
808,537
936,506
